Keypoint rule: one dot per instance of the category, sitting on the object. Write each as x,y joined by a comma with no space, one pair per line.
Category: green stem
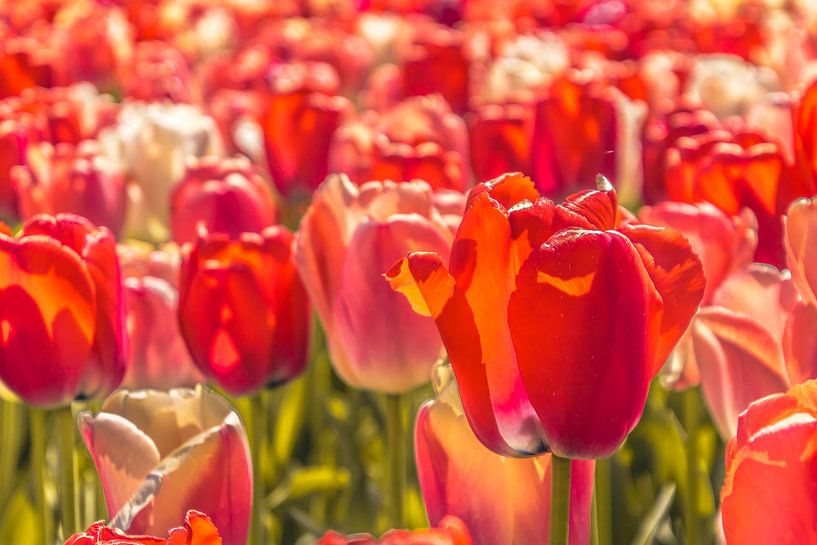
10,451
559,500
397,459
690,421
37,422
68,489
254,414
594,519
604,505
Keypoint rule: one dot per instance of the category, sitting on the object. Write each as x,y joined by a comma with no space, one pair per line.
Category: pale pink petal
800,343
800,224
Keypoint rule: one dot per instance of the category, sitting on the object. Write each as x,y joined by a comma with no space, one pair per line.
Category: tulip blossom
67,178
221,195
26,63
298,120
442,52
500,139
510,508
583,128
159,454
805,143
13,142
61,314
417,138
451,531
153,143
348,238
243,311
197,529
733,171
524,273
157,355
770,493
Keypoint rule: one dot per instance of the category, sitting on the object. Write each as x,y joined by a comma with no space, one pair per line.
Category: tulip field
408,272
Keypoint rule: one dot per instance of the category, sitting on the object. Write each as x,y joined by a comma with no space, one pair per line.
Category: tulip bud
76,179
158,72
222,196
159,454
243,311
348,238
513,507
61,316
440,51
500,139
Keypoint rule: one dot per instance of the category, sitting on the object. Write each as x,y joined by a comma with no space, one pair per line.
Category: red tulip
437,62
243,311
417,138
348,238
805,142
733,171
198,529
583,128
510,508
298,120
13,142
68,178
223,196
26,63
157,355
770,491
451,531
500,139
524,273
160,454
61,317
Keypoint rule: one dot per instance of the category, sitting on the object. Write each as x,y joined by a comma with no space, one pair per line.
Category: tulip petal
122,453
739,361
800,225
800,343
608,311
678,277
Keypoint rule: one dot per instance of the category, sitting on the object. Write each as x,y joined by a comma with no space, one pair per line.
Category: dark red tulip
500,139
539,298
243,311
61,311
437,63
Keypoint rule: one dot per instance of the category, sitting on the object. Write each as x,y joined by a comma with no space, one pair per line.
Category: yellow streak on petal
576,286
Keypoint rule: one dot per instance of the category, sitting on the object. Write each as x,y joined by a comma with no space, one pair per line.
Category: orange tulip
198,529
62,327
524,273
770,491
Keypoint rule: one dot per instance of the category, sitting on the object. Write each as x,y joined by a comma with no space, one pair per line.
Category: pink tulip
349,237
503,501
157,355
160,454
68,178
223,196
